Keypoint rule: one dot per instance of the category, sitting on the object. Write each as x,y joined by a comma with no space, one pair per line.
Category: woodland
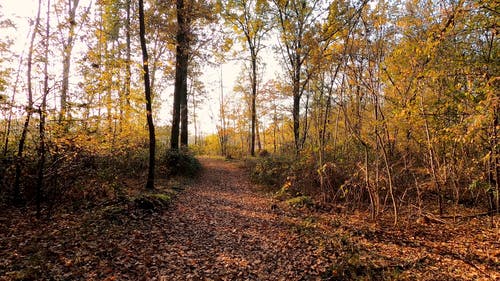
372,154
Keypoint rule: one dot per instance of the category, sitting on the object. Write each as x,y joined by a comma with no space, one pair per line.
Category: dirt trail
221,228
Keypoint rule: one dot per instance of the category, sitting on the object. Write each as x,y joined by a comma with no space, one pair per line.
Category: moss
161,196
114,213
306,227
300,201
113,209
153,201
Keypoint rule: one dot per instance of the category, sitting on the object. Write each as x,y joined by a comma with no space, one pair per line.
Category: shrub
264,153
181,163
270,171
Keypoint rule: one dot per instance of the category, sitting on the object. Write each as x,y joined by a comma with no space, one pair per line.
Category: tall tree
181,73
67,43
295,19
128,62
147,93
222,127
250,19
29,107
42,113
192,36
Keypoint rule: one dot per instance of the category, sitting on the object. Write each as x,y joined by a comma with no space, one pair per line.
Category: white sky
19,11
21,8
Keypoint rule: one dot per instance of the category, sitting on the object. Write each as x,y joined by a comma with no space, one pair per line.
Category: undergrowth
80,176
181,163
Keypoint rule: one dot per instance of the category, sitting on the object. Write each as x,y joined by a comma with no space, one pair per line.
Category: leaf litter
222,227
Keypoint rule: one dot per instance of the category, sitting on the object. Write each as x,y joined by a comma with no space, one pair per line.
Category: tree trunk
222,112
184,120
29,111
67,50
41,111
195,104
180,88
275,127
432,160
296,111
494,169
147,93
253,100
110,57
257,136
128,71
391,185
305,126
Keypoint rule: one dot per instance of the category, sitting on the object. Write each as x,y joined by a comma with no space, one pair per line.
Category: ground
223,227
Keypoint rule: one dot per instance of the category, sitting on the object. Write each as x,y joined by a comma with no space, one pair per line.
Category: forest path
220,227
223,228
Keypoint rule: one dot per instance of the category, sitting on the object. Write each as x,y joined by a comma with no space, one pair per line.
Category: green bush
181,163
270,171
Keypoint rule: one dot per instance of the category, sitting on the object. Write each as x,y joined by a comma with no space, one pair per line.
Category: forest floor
223,227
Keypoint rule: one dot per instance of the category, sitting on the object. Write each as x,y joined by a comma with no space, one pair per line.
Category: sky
21,8
20,11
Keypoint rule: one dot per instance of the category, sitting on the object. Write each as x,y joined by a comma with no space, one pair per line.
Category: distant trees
394,99
296,24
251,19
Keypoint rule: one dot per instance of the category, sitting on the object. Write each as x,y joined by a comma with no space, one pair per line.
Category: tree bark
147,93
253,100
128,71
67,50
41,111
181,70
296,102
29,111
184,120
222,112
